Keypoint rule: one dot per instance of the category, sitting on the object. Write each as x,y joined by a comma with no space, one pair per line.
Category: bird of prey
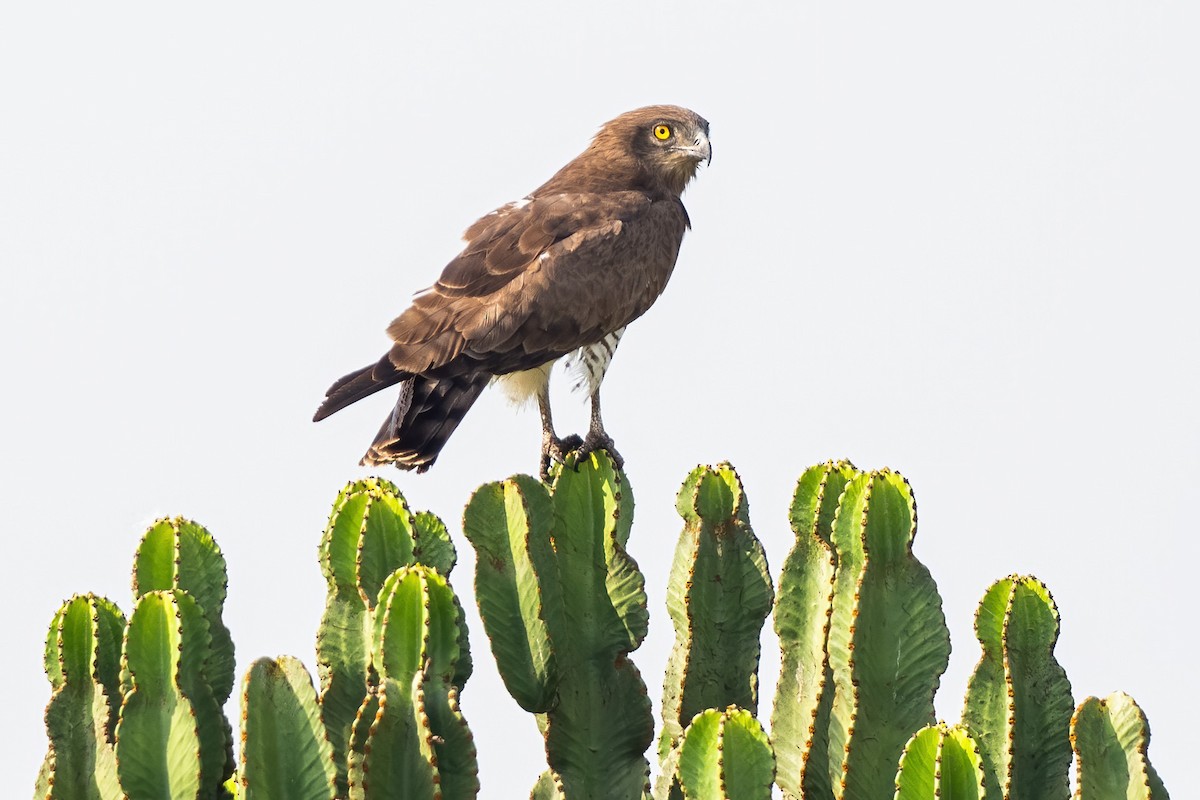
557,274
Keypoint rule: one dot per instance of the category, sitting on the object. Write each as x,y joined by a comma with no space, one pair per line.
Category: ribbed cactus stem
718,596
940,763
888,641
82,662
285,753
171,734
1018,703
725,755
804,695
411,740
563,605
1111,739
371,533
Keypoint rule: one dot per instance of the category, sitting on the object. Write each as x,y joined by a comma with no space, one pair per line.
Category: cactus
888,641
171,734
1018,704
940,763
718,596
563,605
371,533
285,754
411,740
1111,738
82,663
804,695
725,755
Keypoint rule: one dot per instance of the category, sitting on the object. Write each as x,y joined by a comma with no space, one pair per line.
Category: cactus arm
158,735
418,744
888,641
718,596
177,553
81,660
517,584
726,755
803,697
371,533
940,762
548,787
285,753
1018,703
1111,739
563,605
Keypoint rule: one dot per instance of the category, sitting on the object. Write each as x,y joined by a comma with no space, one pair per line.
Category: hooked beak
700,149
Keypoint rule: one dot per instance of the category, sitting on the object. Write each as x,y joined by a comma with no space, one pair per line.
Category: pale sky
956,240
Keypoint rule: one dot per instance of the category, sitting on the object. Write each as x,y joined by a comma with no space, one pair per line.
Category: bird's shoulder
508,241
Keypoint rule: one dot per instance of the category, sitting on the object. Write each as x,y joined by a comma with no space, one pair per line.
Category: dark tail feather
357,385
427,412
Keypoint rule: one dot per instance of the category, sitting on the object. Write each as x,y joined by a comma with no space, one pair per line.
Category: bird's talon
599,441
556,450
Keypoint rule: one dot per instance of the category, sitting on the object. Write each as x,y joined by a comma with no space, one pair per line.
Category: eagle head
657,145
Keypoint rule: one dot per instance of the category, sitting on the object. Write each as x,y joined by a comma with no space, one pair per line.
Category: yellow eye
662,132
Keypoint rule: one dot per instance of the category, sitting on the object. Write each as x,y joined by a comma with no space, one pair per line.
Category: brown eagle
558,273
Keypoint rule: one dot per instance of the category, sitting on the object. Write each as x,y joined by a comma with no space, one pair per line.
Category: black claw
556,450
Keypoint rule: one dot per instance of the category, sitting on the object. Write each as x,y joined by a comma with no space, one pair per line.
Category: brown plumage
560,272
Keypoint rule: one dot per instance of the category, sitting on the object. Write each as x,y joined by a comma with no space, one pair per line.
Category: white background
957,241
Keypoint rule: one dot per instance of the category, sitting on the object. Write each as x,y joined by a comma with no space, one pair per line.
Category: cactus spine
1111,738
718,596
563,605
1018,704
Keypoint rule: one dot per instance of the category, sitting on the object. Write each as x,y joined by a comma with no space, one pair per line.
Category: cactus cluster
136,703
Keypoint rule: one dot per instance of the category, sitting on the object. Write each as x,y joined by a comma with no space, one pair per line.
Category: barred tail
426,413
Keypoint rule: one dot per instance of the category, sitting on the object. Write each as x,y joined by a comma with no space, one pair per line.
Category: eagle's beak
700,149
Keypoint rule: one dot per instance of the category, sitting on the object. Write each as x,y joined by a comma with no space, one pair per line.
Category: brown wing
539,280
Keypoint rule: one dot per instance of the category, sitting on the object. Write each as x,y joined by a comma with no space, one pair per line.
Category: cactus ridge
888,641
285,752
552,570
1111,741
177,553
940,762
371,533
82,654
718,596
726,754
803,697
1018,704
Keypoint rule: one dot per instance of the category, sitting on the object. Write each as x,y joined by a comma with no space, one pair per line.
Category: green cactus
285,753
718,596
411,740
1018,704
725,755
1111,738
83,653
371,533
563,605
888,641
940,763
177,553
804,695
171,739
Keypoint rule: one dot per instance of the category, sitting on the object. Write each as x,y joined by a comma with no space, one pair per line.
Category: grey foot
599,440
